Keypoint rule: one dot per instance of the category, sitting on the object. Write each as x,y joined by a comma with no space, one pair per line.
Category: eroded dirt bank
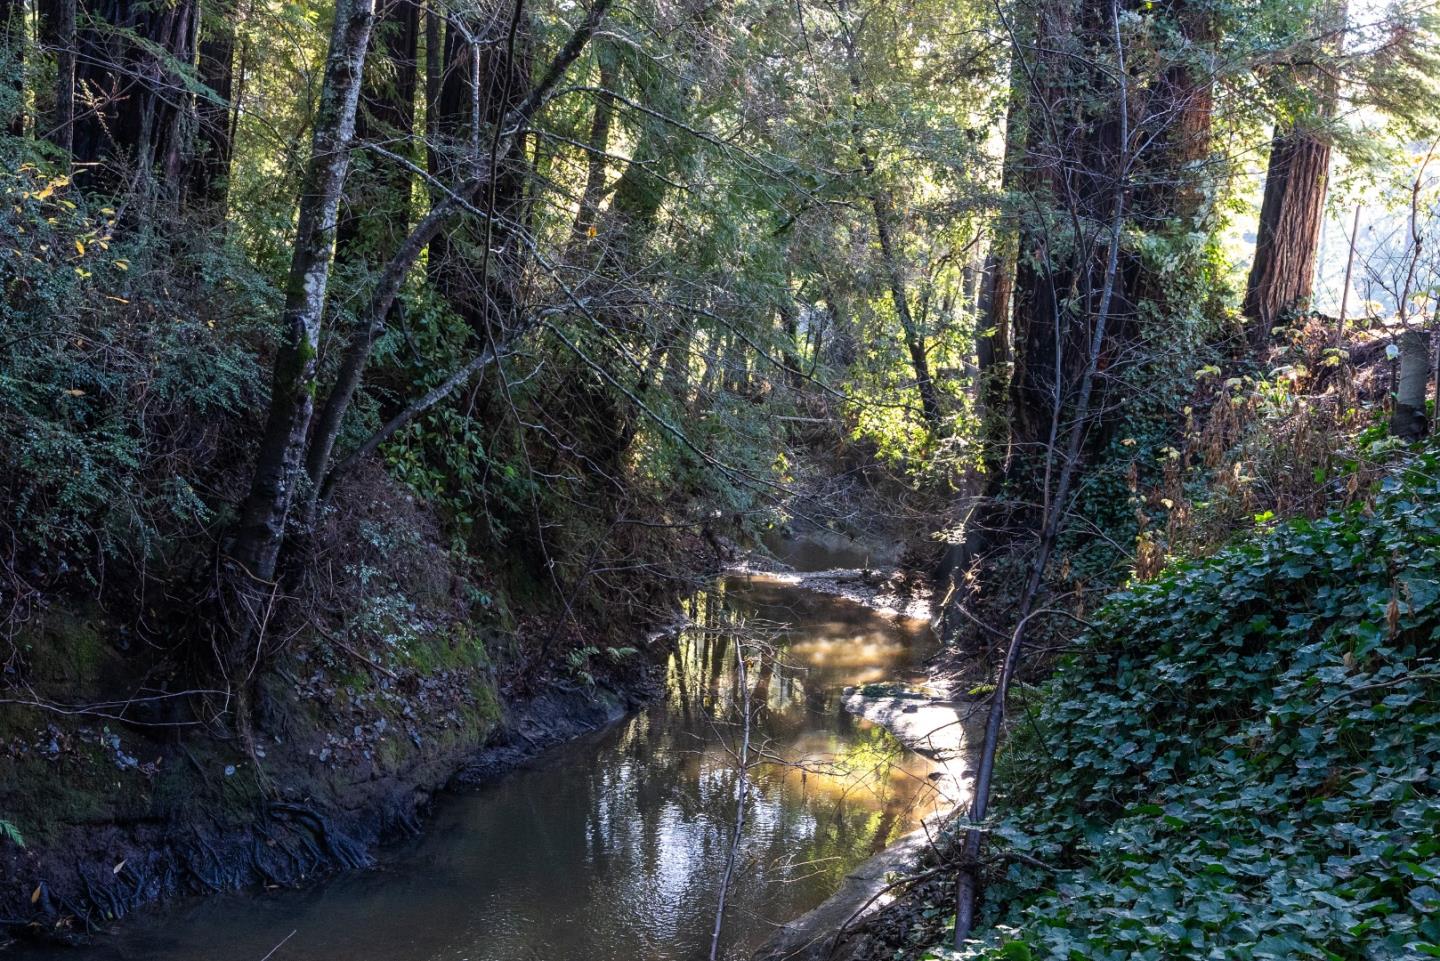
327,803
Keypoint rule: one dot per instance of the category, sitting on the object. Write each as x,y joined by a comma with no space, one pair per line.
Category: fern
12,832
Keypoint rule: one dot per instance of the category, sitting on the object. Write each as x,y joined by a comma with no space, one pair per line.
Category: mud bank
94,874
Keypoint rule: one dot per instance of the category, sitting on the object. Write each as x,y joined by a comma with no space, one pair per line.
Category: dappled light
719,480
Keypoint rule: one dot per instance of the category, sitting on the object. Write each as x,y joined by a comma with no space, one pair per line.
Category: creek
613,847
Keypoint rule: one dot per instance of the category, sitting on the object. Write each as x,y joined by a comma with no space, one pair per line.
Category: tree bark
12,55
57,33
434,78
1056,502
209,181
1408,420
587,218
258,536
1282,274
1072,142
134,138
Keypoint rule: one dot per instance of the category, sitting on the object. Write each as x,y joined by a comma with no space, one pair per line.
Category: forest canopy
461,337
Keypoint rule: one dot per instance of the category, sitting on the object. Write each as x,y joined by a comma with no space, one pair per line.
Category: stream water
613,847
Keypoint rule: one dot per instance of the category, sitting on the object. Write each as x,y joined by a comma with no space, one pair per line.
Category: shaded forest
372,371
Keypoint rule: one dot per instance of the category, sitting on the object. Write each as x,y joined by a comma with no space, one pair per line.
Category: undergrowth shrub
128,369
1295,438
1241,758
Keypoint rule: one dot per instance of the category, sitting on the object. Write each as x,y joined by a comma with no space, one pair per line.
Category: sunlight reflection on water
611,848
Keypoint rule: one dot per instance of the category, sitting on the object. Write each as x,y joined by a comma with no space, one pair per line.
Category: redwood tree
215,112
12,57
1282,275
129,58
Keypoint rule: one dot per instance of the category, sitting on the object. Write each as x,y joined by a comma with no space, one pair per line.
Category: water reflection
612,849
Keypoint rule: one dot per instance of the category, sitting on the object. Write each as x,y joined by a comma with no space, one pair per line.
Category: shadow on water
612,847
821,550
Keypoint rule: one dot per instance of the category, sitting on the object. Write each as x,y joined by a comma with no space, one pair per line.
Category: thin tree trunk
1349,273
883,208
789,335
260,531
895,274
742,791
677,365
371,324
1435,361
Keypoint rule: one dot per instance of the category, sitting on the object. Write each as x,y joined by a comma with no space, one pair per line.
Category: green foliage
10,831
117,372
1240,759
580,660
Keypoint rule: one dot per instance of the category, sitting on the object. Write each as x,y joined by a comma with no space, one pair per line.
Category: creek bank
892,594
335,812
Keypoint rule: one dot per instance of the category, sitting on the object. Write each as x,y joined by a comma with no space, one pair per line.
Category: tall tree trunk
640,190
1063,455
1282,274
1072,143
57,34
258,535
587,218
895,274
209,180
997,284
434,80
12,58
790,333
134,138
1061,152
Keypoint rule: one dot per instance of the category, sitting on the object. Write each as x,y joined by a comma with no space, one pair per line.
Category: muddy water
612,848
